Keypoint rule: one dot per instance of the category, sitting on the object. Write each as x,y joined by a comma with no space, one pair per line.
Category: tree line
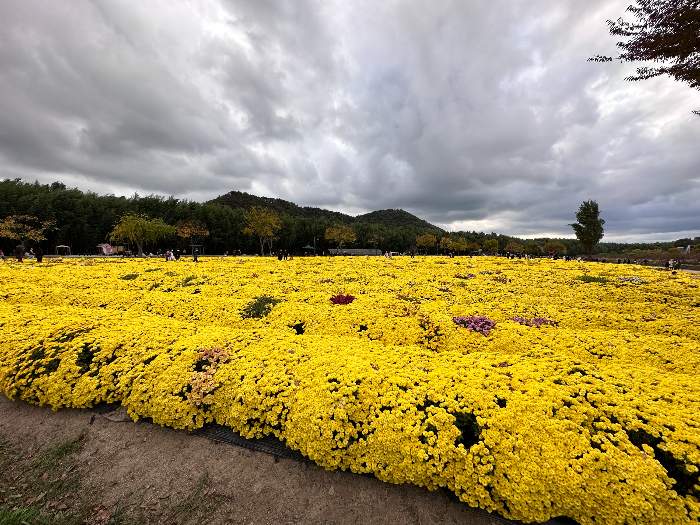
83,220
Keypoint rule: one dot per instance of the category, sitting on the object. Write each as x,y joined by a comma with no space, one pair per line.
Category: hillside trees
84,219
589,228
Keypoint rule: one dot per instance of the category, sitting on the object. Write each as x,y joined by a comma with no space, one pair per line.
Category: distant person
195,253
19,252
2,256
39,254
177,254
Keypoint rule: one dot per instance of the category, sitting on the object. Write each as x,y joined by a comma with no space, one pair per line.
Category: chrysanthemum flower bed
594,414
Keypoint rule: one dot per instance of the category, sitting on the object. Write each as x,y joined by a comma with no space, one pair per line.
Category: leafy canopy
556,247
193,230
139,229
426,240
665,31
340,234
460,244
589,228
532,248
514,247
25,228
264,223
491,245
446,243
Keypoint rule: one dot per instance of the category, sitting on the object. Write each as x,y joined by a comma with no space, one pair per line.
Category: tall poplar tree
589,228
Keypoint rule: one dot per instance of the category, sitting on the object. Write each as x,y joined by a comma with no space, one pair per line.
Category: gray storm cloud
472,115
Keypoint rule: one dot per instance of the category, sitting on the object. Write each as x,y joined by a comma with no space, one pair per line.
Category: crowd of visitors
20,253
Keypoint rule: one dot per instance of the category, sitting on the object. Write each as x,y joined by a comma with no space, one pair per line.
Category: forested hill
245,201
394,218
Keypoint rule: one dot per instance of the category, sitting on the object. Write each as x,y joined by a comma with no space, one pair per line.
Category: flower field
531,388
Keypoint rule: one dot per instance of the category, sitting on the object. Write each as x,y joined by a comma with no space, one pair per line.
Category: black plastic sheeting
105,408
268,444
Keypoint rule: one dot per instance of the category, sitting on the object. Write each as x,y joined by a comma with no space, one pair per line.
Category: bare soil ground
126,472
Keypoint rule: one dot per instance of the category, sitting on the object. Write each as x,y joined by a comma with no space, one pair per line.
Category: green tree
446,243
532,248
460,245
491,245
514,247
264,223
139,229
665,31
374,240
340,234
426,241
25,228
589,228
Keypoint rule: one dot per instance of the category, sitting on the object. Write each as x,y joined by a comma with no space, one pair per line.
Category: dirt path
151,469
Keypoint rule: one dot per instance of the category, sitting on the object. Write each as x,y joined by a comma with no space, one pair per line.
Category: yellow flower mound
596,417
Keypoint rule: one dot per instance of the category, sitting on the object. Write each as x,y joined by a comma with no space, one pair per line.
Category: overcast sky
473,115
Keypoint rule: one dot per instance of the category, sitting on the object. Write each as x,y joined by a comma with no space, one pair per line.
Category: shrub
259,307
187,281
535,321
592,279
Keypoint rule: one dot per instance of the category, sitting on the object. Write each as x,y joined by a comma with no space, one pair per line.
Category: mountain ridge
388,217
